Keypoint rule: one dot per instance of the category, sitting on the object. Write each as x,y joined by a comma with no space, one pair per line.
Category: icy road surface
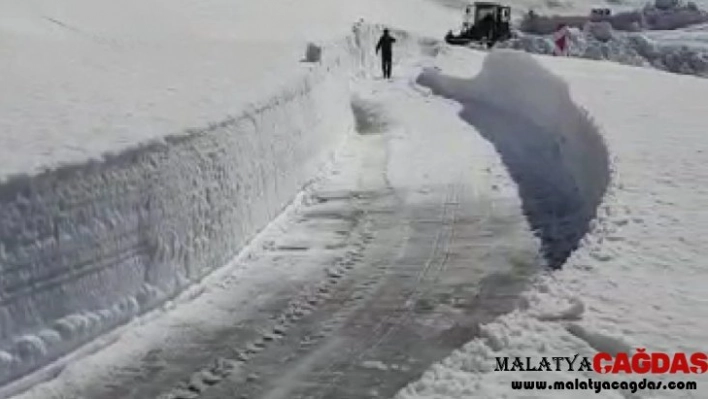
383,267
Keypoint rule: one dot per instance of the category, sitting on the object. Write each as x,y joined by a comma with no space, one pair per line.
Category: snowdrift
86,248
658,16
551,147
638,278
683,52
664,36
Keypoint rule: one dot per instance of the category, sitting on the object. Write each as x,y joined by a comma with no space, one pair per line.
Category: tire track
432,268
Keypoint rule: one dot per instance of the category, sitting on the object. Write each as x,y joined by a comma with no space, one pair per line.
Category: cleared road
392,261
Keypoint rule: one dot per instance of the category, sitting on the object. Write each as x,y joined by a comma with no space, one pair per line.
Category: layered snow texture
666,35
661,15
638,278
683,52
86,248
91,77
552,148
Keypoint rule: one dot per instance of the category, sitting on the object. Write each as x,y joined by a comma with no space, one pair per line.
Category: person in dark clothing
385,45
487,25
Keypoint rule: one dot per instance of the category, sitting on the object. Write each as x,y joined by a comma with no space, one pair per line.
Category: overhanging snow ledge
552,148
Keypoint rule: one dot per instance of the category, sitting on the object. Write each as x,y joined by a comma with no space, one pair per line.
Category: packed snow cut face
88,247
550,146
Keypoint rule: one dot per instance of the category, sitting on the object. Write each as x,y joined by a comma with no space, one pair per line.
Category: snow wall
86,248
551,147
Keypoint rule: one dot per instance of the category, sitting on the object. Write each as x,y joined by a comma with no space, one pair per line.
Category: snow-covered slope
563,7
640,36
680,51
91,77
170,144
85,248
554,152
637,280
136,156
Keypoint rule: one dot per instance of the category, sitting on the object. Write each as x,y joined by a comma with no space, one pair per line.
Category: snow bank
91,77
666,15
662,15
545,25
638,278
597,43
683,52
85,248
550,146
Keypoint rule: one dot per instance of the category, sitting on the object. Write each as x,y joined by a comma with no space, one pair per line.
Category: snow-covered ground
239,125
671,39
638,279
563,7
375,255
119,74
681,51
136,156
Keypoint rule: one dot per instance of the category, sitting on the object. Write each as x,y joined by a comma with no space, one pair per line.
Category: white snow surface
553,150
564,7
404,151
680,51
236,125
640,34
145,211
637,280
88,247
93,77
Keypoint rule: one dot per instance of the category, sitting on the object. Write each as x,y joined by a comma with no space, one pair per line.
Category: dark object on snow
491,25
385,45
600,14
313,53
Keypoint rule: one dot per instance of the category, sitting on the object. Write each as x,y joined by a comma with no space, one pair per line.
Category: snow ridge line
86,248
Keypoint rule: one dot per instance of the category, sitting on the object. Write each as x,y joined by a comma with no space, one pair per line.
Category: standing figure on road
385,45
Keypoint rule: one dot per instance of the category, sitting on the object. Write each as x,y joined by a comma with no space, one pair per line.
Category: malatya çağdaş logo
640,362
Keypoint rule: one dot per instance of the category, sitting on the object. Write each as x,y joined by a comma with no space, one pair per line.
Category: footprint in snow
601,257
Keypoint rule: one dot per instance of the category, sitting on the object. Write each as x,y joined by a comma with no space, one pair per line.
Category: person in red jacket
560,38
